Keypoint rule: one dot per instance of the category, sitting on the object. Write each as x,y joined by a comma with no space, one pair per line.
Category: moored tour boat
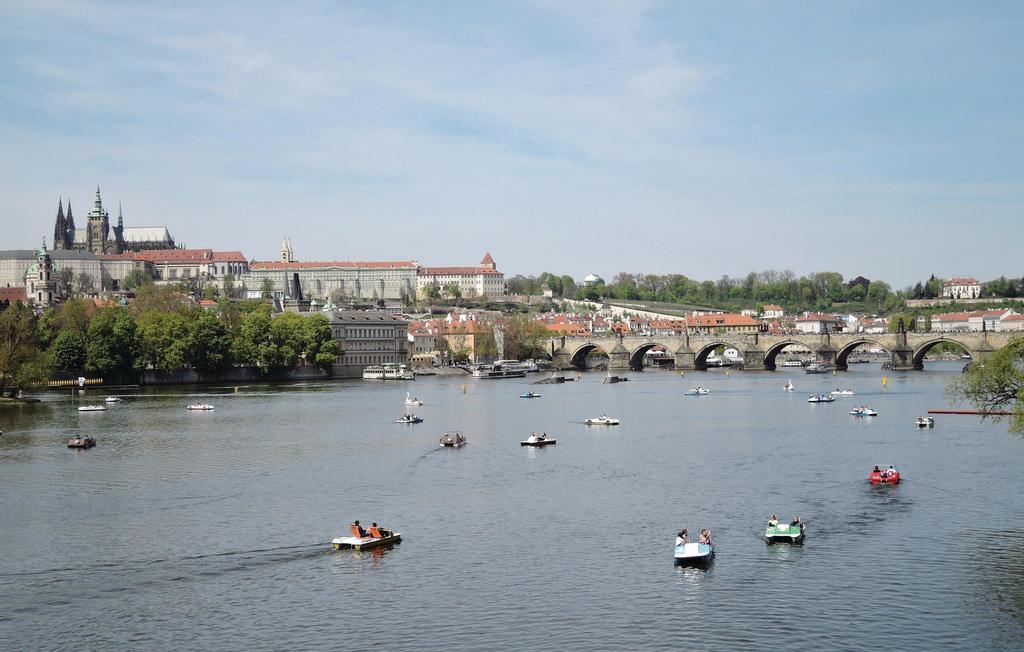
925,422
884,476
792,362
92,408
365,539
815,368
538,439
198,407
88,441
603,420
453,440
504,369
388,371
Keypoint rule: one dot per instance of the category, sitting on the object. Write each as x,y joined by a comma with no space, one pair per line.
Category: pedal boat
529,395
698,391
376,537
821,398
925,422
841,392
409,418
863,412
87,441
884,476
785,533
92,408
412,402
538,440
453,440
695,553
197,407
112,399
602,420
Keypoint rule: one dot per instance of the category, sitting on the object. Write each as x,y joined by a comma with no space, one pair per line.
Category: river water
210,530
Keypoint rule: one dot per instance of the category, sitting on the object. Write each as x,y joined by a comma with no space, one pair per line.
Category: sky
702,138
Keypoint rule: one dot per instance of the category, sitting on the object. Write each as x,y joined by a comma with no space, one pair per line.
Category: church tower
60,229
42,283
99,227
119,232
287,255
69,235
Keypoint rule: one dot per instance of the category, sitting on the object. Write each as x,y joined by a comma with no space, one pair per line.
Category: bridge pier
753,360
618,358
685,358
826,355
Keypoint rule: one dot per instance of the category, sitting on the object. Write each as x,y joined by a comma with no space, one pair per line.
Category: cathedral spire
60,227
120,218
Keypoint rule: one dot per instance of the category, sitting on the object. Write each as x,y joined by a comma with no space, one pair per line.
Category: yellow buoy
463,389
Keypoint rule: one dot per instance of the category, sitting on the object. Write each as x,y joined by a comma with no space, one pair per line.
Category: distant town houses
961,287
1003,320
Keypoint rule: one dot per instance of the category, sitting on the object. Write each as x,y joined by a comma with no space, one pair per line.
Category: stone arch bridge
760,351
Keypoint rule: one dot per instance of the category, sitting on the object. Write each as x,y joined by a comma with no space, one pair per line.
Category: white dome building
592,279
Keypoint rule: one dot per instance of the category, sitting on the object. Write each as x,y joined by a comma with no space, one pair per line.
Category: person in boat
359,528
543,435
876,469
773,521
682,538
795,522
705,537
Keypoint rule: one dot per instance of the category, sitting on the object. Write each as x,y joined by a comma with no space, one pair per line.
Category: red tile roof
961,280
458,271
722,320
229,257
175,255
13,294
487,259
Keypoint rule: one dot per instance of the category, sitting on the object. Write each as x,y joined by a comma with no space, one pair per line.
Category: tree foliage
68,351
20,359
113,342
995,384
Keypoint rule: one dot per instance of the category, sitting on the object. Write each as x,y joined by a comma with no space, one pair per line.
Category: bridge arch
700,360
843,354
578,358
772,353
636,356
923,349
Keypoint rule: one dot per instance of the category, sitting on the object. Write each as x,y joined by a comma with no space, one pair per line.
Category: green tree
209,343
453,291
157,298
74,315
20,359
229,285
136,279
113,343
995,384
319,344
68,351
266,287
877,294
164,341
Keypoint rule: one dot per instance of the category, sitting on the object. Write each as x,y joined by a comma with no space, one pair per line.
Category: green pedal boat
784,533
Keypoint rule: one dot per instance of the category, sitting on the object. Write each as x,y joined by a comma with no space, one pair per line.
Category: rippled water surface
210,530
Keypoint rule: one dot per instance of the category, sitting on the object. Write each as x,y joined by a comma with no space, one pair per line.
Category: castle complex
100,238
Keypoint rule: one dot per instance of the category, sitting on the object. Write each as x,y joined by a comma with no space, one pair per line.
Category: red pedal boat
882,475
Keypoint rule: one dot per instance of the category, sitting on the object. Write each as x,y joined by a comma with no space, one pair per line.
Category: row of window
372,359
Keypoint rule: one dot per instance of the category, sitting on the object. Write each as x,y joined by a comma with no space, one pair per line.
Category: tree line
161,330
818,291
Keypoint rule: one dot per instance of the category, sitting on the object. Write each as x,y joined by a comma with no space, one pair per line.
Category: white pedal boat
538,439
821,398
453,440
863,412
529,395
196,407
92,408
698,391
112,399
841,392
412,402
925,422
409,418
695,553
602,420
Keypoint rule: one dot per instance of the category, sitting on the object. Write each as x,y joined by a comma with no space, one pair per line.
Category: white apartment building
961,287
483,281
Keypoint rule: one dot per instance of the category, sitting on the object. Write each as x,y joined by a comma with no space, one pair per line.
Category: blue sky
702,138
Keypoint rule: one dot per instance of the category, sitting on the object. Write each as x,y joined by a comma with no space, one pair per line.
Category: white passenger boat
112,399
925,422
453,440
695,553
375,537
820,398
698,391
863,411
92,408
792,362
409,418
539,440
412,401
603,420
502,369
199,407
388,371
